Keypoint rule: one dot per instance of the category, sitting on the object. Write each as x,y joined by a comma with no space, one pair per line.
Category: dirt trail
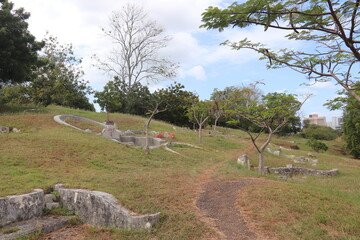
217,204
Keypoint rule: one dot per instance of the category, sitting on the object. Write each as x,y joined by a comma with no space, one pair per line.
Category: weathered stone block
243,160
102,209
21,207
4,129
52,205
290,171
49,198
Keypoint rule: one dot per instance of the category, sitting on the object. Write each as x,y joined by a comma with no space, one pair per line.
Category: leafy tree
110,99
16,94
217,109
271,113
332,26
59,78
351,127
199,113
316,145
116,98
319,132
178,102
137,42
292,127
241,97
18,48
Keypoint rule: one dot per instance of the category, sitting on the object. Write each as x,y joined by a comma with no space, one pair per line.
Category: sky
204,63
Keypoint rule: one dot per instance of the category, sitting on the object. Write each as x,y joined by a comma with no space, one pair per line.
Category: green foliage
117,97
331,26
59,78
18,48
9,230
319,132
351,125
292,127
16,94
178,102
58,211
75,221
199,112
316,145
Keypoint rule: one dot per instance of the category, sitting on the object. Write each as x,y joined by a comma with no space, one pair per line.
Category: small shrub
58,211
316,145
9,230
75,221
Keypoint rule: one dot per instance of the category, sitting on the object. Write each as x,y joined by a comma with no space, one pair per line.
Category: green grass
45,153
303,207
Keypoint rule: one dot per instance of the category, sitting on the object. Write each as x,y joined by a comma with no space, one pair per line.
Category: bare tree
155,110
137,41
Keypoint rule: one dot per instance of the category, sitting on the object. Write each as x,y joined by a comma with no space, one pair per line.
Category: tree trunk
200,129
261,151
147,149
215,123
261,163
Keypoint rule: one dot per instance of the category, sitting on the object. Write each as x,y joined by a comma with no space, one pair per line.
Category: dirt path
217,204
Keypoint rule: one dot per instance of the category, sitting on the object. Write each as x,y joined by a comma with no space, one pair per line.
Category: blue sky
204,64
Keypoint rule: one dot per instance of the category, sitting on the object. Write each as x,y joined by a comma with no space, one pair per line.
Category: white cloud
197,72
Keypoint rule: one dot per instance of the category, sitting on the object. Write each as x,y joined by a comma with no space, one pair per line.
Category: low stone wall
21,207
101,209
141,141
62,120
289,171
111,132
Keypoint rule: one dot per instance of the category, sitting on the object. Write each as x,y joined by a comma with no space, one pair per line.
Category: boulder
243,160
102,209
21,207
110,131
15,130
4,129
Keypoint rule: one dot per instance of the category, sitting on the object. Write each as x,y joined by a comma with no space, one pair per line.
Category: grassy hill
45,153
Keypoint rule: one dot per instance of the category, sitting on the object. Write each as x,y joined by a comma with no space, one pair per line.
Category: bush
316,145
319,132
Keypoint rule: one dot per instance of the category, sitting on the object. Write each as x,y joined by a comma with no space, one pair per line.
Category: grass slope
45,153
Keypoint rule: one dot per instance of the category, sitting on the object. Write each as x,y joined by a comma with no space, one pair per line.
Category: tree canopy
59,77
333,26
18,48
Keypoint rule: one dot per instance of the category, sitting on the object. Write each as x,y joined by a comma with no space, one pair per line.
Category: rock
45,224
275,152
310,155
305,160
154,133
289,171
102,209
52,205
21,207
49,198
4,129
110,131
138,132
15,130
128,133
243,160
88,131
